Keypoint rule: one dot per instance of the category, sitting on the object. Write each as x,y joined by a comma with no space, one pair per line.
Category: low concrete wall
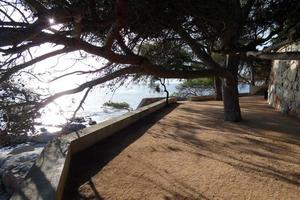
47,177
148,101
211,97
202,98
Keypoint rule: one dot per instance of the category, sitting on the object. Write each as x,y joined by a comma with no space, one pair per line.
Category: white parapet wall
47,177
284,84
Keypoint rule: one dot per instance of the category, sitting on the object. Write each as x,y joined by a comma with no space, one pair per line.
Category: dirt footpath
189,152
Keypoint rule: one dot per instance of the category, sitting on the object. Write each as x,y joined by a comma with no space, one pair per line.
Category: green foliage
117,105
199,82
219,58
166,53
17,108
195,87
173,34
262,69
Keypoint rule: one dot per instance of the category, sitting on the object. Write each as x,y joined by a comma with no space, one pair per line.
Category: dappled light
67,67
51,21
190,153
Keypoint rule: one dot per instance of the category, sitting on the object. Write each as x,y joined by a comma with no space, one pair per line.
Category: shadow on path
191,153
86,164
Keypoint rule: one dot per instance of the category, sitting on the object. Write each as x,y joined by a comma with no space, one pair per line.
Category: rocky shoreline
17,158
20,152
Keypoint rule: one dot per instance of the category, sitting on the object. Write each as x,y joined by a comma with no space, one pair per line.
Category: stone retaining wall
284,84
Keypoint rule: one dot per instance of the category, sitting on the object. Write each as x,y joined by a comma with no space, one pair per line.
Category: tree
17,109
117,105
255,71
195,87
116,31
220,59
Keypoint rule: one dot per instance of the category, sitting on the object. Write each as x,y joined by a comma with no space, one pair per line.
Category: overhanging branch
17,68
156,71
274,55
197,49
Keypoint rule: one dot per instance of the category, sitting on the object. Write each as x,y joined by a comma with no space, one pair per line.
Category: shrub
117,105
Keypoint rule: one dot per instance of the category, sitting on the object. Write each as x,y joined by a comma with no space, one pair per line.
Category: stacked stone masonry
284,85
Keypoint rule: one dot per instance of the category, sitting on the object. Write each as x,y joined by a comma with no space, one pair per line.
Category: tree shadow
89,162
265,143
180,192
36,184
264,134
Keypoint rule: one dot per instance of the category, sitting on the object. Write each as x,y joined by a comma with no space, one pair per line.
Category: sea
57,113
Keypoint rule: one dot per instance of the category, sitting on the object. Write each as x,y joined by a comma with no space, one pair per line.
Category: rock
10,182
291,95
292,72
18,139
285,79
297,96
78,120
4,139
2,160
22,149
16,166
285,94
92,122
285,73
296,86
3,196
43,137
284,108
298,112
9,139
286,84
271,89
72,127
43,130
20,162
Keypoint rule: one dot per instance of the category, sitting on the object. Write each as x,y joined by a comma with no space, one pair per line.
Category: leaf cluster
17,108
117,105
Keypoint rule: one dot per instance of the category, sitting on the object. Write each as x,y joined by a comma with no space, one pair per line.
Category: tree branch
17,68
277,46
202,55
81,102
247,8
146,69
36,7
274,55
82,72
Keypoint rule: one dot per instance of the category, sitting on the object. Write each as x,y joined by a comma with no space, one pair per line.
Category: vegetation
17,111
200,82
195,87
17,108
163,39
117,105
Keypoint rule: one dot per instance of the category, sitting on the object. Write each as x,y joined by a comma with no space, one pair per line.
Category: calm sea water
57,114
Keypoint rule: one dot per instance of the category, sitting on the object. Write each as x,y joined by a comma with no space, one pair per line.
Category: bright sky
55,66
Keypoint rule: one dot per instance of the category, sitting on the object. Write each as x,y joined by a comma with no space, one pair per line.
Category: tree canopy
195,87
119,31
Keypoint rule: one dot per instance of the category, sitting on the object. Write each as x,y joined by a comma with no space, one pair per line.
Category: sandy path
191,153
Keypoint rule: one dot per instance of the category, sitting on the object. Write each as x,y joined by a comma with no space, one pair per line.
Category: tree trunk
232,111
252,76
218,88
165,90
